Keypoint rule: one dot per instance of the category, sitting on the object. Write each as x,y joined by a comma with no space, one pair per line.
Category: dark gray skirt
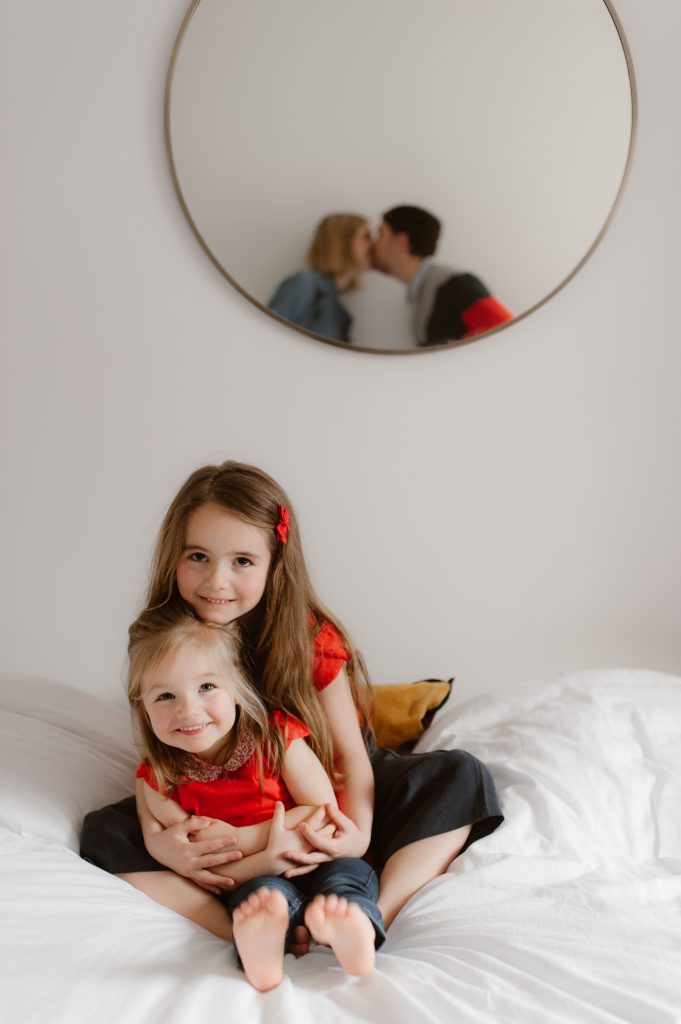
422,795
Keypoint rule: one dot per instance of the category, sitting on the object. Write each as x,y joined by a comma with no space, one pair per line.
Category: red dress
329,656
236,796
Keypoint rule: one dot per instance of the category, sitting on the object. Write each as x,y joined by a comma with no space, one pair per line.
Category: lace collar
198,770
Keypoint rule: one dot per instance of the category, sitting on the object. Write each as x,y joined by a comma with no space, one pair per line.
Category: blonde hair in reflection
330,251
154,637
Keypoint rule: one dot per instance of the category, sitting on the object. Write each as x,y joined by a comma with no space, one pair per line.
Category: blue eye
163,697
206,687
198,556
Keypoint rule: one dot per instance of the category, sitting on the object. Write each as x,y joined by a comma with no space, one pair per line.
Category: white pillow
63,753
587,765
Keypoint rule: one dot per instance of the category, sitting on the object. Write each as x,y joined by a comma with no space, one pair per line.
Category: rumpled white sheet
570,912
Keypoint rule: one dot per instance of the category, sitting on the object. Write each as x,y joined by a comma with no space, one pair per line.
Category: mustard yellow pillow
403,711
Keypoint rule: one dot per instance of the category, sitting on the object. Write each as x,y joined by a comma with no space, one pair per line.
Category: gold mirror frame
194,5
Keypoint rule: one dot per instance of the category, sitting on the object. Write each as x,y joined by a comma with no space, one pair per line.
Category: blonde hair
279,641
330,251
158,634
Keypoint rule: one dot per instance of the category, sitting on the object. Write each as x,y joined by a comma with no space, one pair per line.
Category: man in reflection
447,305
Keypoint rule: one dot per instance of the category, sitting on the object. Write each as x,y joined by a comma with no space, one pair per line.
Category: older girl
230,548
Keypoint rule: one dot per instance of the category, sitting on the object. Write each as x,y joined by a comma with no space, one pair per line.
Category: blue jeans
347,876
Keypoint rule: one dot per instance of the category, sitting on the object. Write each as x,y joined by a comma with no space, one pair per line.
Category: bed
569,912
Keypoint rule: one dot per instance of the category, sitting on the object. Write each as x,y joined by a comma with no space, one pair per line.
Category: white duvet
569,912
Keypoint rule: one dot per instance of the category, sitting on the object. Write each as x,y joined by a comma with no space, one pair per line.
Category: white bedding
569,912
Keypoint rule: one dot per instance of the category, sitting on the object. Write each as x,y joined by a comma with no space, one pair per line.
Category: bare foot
260,924
335,922
301,941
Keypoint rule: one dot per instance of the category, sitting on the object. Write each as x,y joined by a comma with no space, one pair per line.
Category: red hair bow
282,527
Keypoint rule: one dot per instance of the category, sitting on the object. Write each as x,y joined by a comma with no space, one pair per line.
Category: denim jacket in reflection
310,300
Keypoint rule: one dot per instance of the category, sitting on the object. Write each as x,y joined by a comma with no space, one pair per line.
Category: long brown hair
280,635
156,635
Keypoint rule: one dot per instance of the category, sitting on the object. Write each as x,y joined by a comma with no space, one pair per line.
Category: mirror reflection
391,177
446,305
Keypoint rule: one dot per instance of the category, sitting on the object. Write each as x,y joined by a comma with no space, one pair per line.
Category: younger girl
209,747
230,548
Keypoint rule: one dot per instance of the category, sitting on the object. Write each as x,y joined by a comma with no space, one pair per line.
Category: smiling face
189,699
222,572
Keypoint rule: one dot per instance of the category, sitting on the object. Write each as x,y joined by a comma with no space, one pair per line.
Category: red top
236,797
329,656
483,315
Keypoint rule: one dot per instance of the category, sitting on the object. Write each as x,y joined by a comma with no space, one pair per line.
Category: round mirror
398,177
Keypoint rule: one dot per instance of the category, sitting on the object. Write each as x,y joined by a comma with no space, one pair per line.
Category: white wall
499,512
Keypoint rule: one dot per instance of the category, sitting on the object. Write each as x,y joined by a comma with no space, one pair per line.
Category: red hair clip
282,527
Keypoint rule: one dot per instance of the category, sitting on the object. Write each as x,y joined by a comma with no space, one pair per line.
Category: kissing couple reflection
446,304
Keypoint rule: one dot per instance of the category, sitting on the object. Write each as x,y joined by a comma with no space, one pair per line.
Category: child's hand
213,828
320,824
346,841
181,849
283,841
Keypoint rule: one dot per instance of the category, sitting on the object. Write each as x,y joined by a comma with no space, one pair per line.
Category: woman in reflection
339,253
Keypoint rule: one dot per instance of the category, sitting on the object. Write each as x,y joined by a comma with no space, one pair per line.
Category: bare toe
301,941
